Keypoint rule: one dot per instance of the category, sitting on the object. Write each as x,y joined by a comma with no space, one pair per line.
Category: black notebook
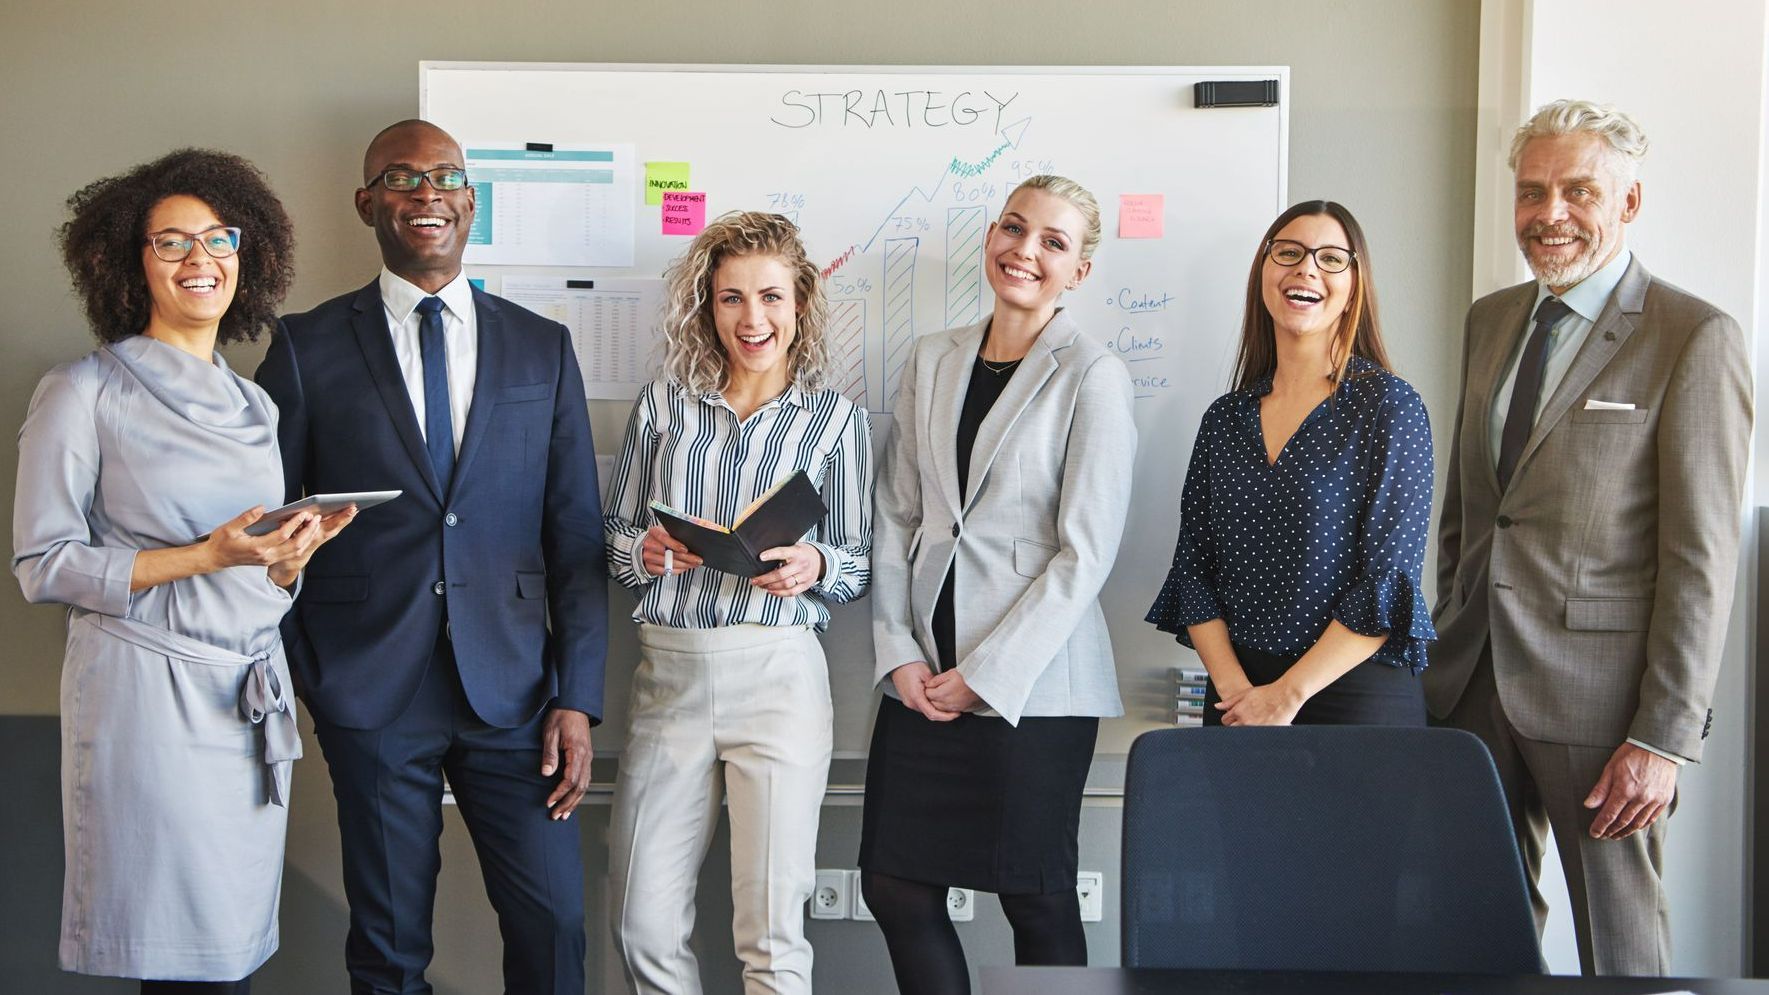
779,517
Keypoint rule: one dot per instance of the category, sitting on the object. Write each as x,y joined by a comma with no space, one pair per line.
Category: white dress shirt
460,335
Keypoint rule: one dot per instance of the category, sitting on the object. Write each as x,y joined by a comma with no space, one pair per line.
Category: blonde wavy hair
694,358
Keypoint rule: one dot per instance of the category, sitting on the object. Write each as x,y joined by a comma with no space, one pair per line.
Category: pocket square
1592,404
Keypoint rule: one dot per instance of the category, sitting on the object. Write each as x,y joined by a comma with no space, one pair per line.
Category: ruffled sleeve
1386,597
1393,603
1188,596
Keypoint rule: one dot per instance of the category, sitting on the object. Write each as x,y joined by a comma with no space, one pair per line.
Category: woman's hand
310,537
652,546
230,546
1274,704
801,566
949,692
911,680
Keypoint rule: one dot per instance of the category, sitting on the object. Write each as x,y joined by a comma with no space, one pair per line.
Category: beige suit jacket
1030,547
1603,576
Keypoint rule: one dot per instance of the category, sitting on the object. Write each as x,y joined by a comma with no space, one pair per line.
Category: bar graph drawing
899,310
847,349
965,227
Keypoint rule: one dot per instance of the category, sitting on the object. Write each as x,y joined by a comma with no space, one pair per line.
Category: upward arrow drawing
1011,134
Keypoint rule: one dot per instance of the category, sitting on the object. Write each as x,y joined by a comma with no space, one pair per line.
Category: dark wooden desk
1155,981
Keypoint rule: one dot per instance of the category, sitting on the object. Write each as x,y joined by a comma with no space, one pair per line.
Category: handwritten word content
683,213
1139,302
890,109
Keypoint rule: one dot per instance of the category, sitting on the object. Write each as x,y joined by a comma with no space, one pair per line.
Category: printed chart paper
613,327
570,206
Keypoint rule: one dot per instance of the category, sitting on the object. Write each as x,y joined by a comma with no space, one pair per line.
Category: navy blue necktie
439,427
1520,417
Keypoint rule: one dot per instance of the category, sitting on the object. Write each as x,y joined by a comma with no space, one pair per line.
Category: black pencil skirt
1370,694
975,802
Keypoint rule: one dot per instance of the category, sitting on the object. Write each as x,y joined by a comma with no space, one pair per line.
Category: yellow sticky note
662,178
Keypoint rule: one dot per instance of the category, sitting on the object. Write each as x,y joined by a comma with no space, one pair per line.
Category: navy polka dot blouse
1335,529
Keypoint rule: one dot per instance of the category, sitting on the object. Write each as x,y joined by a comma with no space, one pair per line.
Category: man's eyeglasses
1330,258
402,180
175,246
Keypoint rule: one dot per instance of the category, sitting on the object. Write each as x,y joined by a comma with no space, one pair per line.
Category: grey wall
1382,119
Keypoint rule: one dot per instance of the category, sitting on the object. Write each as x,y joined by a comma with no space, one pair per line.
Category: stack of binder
1188,695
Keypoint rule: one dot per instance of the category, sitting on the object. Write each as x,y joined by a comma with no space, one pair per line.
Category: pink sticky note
683,213
1140,215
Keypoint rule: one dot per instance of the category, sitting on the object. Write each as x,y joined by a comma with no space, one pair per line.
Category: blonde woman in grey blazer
1001,501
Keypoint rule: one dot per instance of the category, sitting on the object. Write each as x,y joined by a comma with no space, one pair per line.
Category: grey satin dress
177,714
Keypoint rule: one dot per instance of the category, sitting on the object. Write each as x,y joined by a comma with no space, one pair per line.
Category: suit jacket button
954,530
450,520
1504,521
438,588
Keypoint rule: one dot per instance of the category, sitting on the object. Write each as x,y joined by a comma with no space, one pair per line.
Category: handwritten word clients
890,109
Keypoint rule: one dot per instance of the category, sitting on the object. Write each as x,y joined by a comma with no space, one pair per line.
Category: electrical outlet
1090,887
829,899
857,909
961,904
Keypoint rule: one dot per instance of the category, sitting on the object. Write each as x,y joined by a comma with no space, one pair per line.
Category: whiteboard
893,173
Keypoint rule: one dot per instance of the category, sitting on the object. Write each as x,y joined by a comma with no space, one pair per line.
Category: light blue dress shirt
1587,300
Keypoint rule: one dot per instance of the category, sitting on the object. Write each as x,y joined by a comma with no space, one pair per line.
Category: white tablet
325,504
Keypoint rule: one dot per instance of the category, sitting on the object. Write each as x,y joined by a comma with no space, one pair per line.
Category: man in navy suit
460,629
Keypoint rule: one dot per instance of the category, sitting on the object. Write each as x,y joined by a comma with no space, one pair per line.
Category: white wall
1693,76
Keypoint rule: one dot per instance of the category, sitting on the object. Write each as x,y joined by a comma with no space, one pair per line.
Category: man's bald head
422,228
385,148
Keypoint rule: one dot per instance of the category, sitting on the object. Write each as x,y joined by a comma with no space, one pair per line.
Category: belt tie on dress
263,702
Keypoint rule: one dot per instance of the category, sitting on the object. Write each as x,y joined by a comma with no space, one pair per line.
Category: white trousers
740,713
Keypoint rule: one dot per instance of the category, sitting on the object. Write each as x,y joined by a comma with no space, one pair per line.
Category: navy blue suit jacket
516,541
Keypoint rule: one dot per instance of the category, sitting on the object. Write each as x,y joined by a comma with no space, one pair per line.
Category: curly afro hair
102,241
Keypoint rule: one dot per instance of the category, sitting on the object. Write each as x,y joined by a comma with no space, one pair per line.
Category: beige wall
1382,119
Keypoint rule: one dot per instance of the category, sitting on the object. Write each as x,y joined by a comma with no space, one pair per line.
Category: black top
987,381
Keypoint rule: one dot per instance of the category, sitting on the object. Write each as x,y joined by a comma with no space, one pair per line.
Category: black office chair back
1321,848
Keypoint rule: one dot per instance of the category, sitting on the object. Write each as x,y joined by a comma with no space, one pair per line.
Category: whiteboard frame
1281,73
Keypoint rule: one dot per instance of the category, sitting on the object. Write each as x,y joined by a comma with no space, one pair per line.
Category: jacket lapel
1612,330
488,379
376,342
1038,366
951,381
1513,325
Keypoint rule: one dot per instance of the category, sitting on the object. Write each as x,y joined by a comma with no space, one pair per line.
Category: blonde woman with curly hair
731,695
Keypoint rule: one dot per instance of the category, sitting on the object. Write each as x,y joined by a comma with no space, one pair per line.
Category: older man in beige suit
1590,533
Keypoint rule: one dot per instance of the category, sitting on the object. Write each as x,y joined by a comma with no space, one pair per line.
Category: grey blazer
1603,576
1031,547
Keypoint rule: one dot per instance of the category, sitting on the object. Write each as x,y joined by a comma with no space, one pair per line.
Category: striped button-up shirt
693,454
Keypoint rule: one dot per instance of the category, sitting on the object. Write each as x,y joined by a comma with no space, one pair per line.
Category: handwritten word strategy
882,108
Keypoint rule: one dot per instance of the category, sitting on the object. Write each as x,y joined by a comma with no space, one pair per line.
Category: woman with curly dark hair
177,714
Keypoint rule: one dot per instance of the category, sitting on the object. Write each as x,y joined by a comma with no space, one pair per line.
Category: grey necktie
1520,417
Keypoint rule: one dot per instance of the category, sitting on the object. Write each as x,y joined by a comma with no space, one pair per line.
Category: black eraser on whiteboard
1235,93
580,285
540,146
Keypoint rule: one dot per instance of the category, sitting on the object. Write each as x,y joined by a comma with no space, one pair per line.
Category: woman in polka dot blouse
1307,502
